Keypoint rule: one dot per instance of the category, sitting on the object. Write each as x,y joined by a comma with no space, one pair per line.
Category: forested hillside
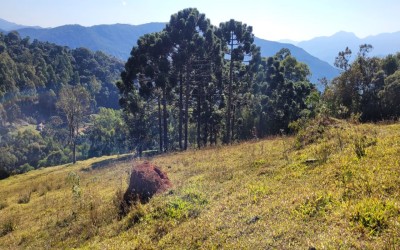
33,76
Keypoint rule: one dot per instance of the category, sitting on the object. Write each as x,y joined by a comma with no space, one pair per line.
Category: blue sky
271,19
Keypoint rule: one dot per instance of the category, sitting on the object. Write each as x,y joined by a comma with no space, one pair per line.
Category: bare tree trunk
74,135
164,103
160,124
198,120
228,116
180,109
74,152
187,93
233,123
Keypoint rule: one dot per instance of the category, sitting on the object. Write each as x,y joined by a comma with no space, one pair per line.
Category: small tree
73,102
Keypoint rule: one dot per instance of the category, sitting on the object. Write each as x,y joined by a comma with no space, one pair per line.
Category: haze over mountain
326,48
8,26
118,40
318,67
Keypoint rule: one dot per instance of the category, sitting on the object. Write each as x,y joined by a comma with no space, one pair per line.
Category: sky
275,20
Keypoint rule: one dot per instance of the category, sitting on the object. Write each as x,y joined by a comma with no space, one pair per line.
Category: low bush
373,214
24,198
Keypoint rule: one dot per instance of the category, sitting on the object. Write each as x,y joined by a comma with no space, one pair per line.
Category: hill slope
118,40
255,195
8,26
327,47
318,67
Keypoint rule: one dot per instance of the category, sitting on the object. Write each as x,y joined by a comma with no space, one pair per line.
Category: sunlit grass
341,191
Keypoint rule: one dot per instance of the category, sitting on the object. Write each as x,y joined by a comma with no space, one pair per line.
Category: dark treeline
196,84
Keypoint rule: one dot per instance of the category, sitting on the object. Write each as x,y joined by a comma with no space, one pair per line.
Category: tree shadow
108,162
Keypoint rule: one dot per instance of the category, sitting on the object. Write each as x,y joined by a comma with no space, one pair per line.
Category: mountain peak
344,34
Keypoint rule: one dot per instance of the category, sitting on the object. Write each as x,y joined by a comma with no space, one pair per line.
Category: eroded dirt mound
146,180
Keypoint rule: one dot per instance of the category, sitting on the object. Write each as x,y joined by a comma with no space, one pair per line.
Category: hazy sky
271,19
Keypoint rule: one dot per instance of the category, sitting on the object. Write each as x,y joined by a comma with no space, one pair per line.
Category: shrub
7,227
3,205
315,205
136,214
373,214
361,143
310,131
54,158
323,151
24,198
25,168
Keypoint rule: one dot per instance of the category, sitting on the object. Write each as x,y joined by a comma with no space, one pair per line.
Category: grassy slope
248,196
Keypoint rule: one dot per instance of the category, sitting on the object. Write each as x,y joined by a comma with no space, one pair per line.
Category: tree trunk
187,93
74,133
233,123
74,152
198,120
228,116
180,109
160,124
205,132
164,103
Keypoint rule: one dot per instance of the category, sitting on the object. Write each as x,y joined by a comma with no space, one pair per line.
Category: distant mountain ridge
8,26
327,48
318,67
118,40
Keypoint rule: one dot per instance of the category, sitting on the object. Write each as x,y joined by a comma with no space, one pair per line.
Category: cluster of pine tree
194,83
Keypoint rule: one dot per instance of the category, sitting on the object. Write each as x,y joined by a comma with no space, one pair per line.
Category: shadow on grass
108,162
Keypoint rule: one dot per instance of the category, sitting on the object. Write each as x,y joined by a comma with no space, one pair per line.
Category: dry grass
254,195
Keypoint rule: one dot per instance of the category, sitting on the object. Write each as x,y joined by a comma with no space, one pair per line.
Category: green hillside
333,187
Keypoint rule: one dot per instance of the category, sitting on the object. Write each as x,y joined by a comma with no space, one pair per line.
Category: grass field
332,187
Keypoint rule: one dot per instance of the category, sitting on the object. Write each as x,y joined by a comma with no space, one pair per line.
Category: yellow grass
256,195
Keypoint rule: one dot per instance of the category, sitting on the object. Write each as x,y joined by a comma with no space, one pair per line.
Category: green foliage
74,179
74,102
54,158
323,151
390,95
108,134
374,214
368,87
25,168
361,143
181,208
34,76
316,205
259,97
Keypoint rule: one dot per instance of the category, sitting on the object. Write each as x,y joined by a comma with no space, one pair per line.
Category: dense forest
190,85
33,76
